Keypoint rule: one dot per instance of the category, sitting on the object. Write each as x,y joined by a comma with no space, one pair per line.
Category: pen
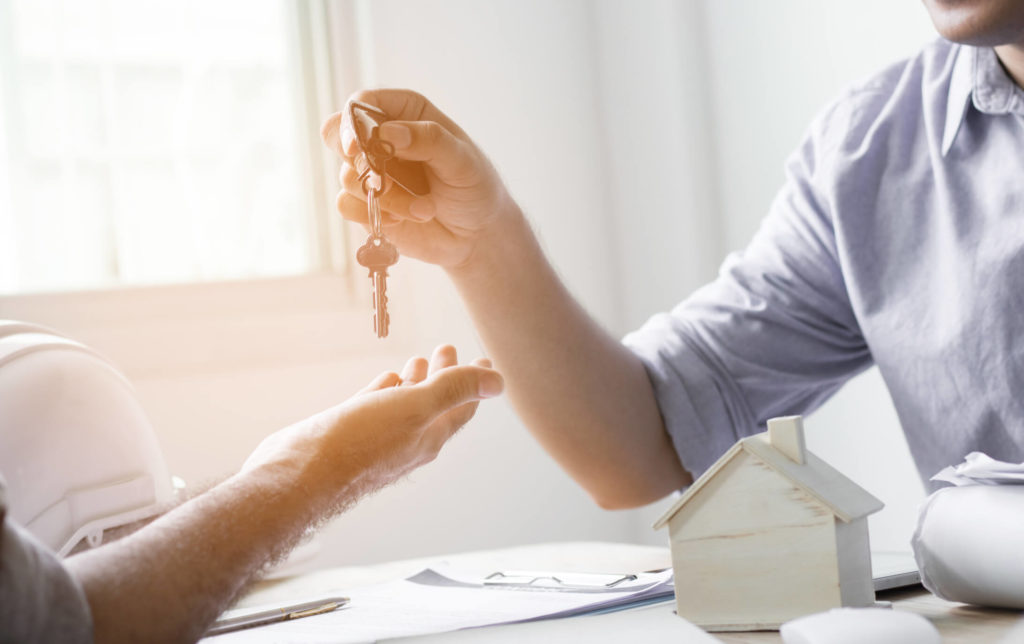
284,613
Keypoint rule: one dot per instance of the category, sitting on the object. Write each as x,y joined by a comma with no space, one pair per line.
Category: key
377,255
375,163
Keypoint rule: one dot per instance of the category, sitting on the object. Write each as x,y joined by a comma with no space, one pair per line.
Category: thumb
450,158
454,386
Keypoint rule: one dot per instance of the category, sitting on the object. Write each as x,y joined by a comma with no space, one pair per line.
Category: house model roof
782,448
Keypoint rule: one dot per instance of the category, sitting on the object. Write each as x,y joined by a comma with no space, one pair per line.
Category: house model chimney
786,434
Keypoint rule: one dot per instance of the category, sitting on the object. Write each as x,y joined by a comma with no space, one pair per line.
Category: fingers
442,357
418,369
397,201
399,104
454,393
407,105
383,381
353,209
439,387
330,133
440,398
452,159
415,371
419,132
451,421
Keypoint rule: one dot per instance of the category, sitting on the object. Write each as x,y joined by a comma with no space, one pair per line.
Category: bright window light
151,141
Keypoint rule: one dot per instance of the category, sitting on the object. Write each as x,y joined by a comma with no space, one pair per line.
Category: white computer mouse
860,626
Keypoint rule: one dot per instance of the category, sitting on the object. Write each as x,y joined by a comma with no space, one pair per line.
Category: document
442,599
657,623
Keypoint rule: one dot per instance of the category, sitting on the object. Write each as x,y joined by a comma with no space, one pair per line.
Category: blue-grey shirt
897,240
40,602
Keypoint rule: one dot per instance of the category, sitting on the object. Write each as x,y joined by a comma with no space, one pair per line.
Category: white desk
957,623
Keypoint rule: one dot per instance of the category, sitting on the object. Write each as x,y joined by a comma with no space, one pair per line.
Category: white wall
661,182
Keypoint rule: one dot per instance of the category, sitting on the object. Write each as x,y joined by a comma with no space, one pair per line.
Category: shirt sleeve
39,600
773,335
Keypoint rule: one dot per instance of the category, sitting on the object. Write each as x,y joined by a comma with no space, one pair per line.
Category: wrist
305,482
498,246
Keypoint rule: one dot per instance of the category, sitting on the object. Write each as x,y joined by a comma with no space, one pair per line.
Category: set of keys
377,163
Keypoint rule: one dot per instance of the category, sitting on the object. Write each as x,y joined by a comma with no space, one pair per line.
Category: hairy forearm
168,581
110,535
585,397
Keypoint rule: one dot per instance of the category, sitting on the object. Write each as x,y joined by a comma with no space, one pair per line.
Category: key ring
373,207
378,152
364,181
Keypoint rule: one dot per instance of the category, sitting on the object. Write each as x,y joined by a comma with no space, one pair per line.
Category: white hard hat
76,448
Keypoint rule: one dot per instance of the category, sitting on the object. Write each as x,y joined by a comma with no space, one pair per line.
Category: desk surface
957,622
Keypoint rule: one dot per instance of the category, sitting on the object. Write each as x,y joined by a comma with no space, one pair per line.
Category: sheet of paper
651,624
432,602
981,469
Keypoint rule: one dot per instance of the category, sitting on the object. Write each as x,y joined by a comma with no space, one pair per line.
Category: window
155,141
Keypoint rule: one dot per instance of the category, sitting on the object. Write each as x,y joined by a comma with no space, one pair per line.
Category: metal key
377,255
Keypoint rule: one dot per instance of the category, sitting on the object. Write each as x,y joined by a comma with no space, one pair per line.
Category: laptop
893,569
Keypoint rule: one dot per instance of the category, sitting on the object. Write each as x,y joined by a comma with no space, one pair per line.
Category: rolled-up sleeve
39,600
774,334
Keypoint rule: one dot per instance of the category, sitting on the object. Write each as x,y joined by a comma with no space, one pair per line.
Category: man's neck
1012,57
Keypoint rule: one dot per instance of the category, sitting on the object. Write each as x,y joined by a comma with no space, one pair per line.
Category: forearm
585,397
116,533
168,581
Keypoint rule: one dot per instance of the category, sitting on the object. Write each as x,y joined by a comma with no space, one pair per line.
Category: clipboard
565,581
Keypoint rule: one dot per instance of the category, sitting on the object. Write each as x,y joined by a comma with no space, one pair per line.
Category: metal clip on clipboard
568,581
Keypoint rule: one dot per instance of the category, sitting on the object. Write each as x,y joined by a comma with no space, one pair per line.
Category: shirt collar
979,76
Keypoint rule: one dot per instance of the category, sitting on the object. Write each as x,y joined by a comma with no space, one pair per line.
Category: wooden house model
769,533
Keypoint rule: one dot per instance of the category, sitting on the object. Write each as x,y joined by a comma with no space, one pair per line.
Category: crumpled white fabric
969,541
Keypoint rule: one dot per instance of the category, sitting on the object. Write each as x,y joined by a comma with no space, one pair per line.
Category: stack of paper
443,599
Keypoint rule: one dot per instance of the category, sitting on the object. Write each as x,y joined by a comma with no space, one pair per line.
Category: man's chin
981,23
